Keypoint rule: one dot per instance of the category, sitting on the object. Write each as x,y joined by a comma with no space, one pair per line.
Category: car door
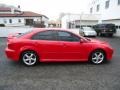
48,46
72,48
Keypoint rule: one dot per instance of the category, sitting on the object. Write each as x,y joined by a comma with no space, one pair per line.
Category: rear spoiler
14,35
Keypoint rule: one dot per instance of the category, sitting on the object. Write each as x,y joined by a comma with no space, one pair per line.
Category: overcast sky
51,8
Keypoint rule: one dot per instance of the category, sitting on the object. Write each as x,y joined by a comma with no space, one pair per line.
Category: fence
5,31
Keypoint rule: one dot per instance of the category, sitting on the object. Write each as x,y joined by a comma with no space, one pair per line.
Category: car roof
44,29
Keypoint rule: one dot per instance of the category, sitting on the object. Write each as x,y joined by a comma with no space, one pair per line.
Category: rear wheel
97,57
29,58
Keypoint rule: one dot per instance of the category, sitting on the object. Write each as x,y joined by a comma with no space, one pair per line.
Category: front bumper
90,35
110,53
11,54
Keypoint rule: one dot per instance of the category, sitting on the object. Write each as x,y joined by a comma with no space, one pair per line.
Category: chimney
12,10
18,6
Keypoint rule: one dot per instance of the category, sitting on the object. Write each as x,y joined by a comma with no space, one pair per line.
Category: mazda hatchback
56,45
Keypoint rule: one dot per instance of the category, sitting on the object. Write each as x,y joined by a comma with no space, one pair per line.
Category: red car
56,45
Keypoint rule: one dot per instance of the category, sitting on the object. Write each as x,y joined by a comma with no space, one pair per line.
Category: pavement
61,76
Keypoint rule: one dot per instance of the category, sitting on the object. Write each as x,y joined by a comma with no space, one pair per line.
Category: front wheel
97,57
29,58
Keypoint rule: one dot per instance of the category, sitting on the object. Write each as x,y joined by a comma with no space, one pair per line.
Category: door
72,48
29,21
48,46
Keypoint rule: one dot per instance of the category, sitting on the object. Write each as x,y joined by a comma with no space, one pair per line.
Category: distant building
109,10
73,21
55,24
13,16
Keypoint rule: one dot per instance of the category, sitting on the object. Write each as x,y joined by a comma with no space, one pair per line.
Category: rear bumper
107,32
12,54
90,34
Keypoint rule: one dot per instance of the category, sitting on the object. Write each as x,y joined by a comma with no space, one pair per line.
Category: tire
110,35
97,57
99,34
29,58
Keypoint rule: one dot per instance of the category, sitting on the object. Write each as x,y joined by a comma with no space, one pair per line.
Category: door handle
63,44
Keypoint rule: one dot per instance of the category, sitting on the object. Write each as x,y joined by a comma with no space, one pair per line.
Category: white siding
14,21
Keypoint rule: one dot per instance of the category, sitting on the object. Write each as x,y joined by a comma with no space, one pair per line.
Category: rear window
109,26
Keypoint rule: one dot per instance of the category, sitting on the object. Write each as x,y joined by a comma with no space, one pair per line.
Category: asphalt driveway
61,76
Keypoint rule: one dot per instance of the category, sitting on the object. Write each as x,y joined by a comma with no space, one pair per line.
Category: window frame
72,35
10,20
91,10
54,36
107,4
118,2
98,7
19,20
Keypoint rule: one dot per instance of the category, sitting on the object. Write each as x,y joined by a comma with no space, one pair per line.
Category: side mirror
82,40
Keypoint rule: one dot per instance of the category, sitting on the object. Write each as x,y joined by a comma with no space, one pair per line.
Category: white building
12,16
109,10
77,20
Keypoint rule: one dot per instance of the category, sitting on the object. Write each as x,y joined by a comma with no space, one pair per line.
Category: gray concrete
61,76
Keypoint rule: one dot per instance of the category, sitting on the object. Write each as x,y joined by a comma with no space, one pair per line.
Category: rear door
48,46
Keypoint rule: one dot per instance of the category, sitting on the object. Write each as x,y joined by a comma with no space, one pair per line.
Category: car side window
44,35
66,36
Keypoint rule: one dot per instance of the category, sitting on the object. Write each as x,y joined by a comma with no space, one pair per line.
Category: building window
119,27
98,8
118,2
91,10
19,20
10,20
5,21
107,4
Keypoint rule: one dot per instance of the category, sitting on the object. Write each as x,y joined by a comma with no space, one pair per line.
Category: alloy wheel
29,58
97,57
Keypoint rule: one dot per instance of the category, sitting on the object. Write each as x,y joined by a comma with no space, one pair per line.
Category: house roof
23,14
5,9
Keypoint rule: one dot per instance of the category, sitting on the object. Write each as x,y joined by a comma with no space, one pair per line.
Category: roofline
26,16
45,16
20,16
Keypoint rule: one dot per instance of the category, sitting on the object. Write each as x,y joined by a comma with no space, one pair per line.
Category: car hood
97,41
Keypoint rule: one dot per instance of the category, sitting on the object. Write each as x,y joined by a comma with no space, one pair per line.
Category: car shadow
46,64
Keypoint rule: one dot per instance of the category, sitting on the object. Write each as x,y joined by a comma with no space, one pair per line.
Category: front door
72,48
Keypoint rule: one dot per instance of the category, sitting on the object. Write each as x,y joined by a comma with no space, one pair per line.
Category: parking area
61,76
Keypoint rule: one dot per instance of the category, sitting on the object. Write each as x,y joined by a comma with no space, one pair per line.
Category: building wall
85,21
45,21
112,12
14,21
68,18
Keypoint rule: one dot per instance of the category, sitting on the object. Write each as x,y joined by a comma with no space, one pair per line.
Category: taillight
11,45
